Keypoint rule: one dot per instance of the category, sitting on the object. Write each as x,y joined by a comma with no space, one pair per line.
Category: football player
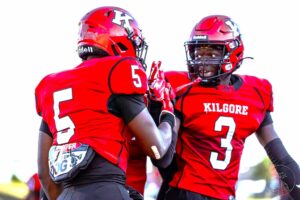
86,111
216,111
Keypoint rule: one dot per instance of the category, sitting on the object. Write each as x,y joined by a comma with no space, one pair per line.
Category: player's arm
51,189
155,109
157,86
285,165
154,140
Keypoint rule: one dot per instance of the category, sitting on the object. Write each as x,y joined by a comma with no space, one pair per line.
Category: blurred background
39,37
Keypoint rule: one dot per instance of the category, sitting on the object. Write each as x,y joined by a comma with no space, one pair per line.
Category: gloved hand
167,100
167,112
161,91
156,82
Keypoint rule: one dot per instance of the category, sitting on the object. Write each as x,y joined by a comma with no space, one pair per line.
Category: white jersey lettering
226,108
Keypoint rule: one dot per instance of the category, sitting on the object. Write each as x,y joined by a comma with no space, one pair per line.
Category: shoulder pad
177,78
39,95
263,87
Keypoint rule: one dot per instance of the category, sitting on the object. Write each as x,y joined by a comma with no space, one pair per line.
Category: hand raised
156,82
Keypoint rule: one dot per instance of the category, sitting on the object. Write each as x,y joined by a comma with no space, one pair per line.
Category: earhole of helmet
122,46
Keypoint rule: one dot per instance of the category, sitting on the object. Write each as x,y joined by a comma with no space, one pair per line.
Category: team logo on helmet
122,19
234,27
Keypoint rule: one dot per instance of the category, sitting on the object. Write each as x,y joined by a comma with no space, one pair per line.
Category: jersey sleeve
128,77
127,106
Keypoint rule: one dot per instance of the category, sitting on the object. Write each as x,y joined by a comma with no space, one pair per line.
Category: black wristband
168,117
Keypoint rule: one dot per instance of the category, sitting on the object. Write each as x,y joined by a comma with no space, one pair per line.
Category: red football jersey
74,104
215,124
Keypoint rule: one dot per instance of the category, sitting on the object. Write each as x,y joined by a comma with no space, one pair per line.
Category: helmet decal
122,19
234,27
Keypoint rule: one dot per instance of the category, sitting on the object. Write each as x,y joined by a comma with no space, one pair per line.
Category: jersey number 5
225,142
136,78
64,126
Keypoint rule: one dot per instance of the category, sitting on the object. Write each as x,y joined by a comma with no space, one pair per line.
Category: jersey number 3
225,142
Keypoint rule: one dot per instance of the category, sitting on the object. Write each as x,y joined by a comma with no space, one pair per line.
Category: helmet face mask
112,30
204,60
218,40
